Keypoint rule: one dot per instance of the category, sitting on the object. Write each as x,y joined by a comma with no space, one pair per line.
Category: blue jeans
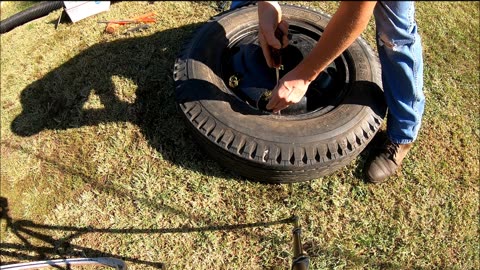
400,52
237,4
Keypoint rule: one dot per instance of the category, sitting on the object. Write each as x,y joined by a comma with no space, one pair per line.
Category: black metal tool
277,53
301,260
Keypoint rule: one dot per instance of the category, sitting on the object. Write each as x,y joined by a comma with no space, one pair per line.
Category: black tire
265,147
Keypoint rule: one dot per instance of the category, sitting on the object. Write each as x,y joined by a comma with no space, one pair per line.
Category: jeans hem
402,141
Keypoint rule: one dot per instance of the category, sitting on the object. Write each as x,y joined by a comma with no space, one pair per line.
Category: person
400,53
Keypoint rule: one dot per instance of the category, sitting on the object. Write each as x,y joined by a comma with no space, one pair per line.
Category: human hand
270,18
289,90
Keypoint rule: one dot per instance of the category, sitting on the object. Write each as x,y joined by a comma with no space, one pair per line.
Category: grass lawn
95,160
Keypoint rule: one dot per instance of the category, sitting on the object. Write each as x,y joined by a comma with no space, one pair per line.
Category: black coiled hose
39,10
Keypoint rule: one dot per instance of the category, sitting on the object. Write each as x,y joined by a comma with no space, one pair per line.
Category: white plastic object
78,10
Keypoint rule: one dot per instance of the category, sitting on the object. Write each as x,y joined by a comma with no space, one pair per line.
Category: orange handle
146,17
111,27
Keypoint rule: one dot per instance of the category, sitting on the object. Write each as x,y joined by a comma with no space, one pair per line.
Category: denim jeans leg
400,52
237,4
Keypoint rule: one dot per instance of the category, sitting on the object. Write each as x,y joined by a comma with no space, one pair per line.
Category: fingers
270,39
274,108
283,26
265,50
276,105
278,100
274,101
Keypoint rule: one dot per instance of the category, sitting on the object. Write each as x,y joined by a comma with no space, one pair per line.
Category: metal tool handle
300,260
276,53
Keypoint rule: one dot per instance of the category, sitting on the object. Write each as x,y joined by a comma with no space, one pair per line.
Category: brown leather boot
387,161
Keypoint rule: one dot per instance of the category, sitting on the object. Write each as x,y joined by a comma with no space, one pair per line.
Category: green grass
9,8
95,160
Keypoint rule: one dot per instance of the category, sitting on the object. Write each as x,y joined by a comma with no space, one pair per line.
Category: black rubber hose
39,10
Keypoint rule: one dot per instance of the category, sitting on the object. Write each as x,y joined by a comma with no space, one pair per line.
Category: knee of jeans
393,37
394,43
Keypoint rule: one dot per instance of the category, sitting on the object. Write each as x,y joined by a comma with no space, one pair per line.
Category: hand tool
277,59
137,28
277,53
301,261
114,24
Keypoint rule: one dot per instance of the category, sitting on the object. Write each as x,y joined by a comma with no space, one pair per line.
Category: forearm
344,28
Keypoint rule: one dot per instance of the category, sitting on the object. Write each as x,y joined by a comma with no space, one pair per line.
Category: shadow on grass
47,247
61,99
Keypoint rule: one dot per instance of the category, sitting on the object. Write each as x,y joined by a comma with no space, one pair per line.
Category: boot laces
392,150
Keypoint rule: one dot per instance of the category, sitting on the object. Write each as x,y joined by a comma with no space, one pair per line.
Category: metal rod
300,260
